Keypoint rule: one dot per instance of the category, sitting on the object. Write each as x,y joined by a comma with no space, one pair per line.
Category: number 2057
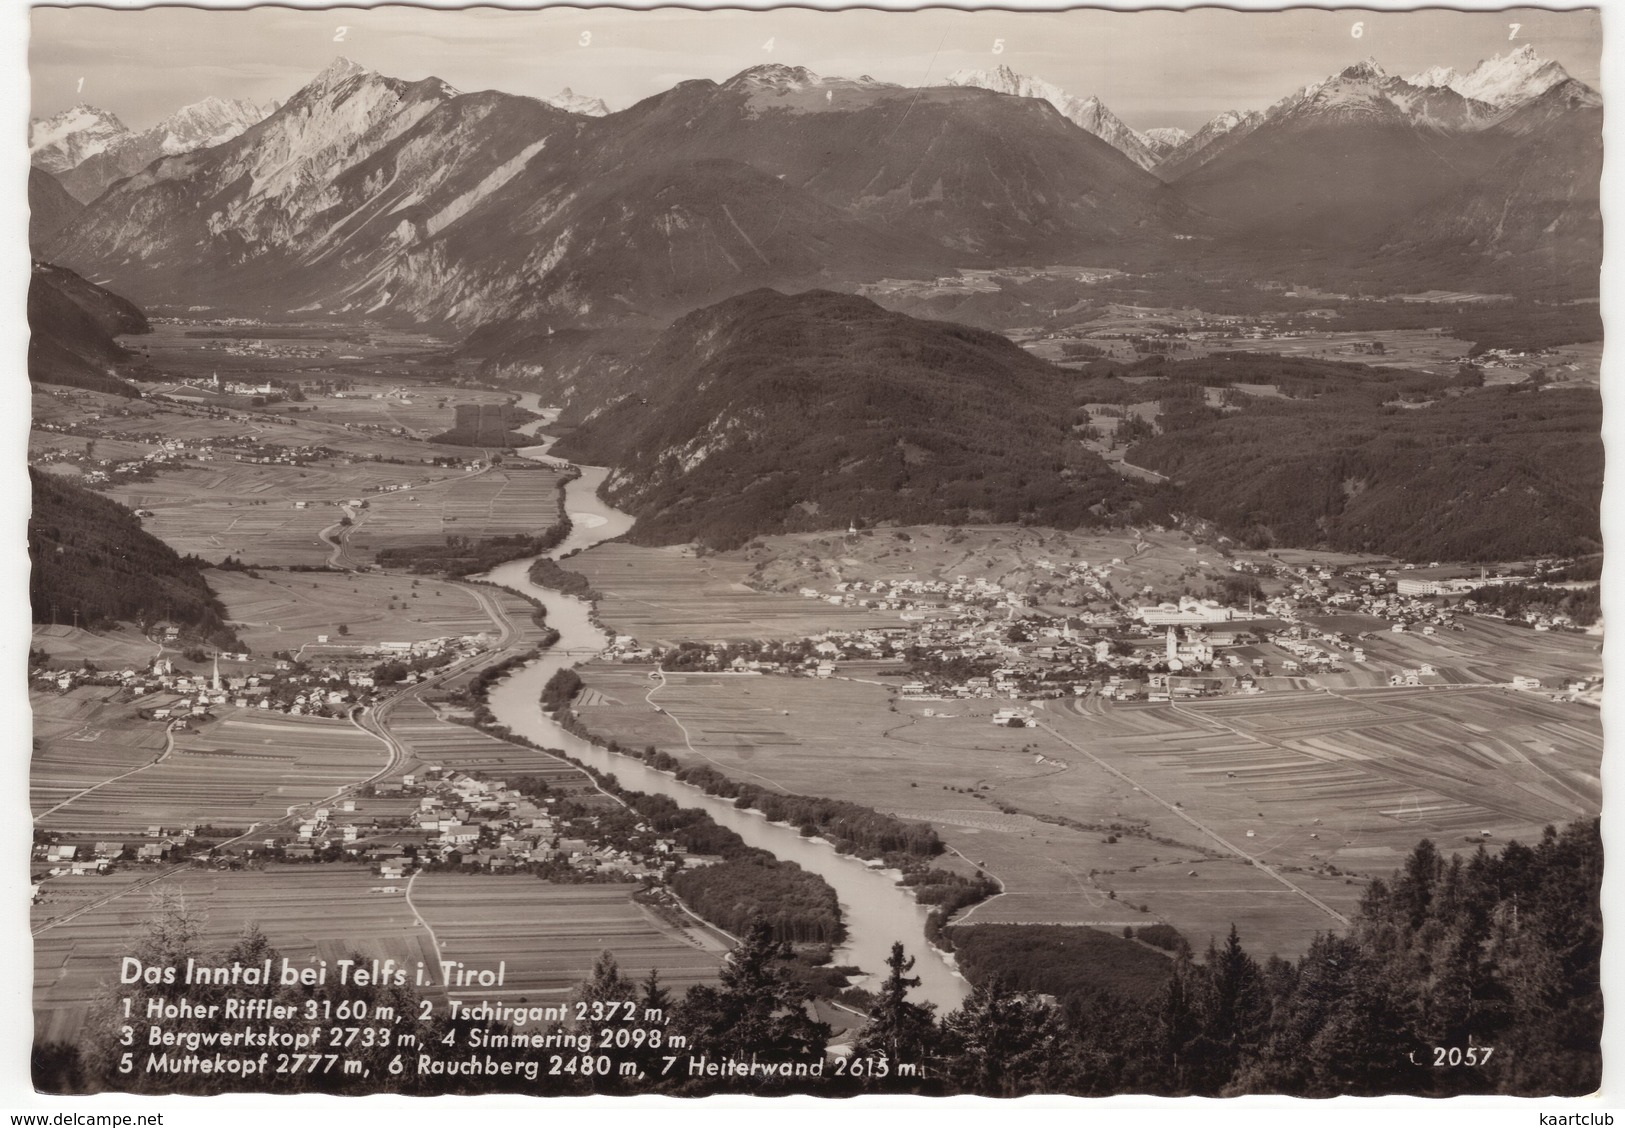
1458,1055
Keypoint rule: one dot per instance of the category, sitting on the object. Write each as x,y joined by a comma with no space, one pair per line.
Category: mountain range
1500,82
1369,160
1089,114
88,148
365,195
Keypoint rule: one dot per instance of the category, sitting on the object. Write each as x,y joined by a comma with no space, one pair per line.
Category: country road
169,747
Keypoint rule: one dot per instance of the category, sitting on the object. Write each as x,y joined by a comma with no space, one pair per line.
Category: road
338,542
169,747
439,956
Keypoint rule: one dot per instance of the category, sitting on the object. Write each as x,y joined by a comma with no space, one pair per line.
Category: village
429,819
1069,634
350,677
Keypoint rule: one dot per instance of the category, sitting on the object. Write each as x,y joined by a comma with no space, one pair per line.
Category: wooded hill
766,414
91,557
769,413
1379,460
72,324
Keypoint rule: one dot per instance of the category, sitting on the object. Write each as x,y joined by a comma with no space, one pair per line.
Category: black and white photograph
812,553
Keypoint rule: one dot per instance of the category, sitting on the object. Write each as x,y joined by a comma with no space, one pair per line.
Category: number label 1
81,89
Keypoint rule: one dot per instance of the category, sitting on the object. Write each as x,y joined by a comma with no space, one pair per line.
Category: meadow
550,935
115,649
1112,815
290,610
498,502
308,911
248,766
669,594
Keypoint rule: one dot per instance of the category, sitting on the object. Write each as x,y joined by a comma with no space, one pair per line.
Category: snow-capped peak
1167,137
1435,76
1001,79
1504,80
574,103
59,142
209,122
1367,69
1088,114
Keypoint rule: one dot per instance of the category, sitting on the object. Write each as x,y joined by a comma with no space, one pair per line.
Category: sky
1152,68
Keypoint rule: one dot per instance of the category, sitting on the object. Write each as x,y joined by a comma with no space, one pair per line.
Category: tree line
94,564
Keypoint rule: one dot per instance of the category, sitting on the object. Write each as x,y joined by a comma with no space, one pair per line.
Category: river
875,910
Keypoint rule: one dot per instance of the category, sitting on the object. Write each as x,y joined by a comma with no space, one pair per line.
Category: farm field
1426,350
668,594
421,409
82,740
124,646
497,502
429,739
289,610
1486,650
1401,348
221,509
549,935
309,912
254,512
522,614
248,766
1378,770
